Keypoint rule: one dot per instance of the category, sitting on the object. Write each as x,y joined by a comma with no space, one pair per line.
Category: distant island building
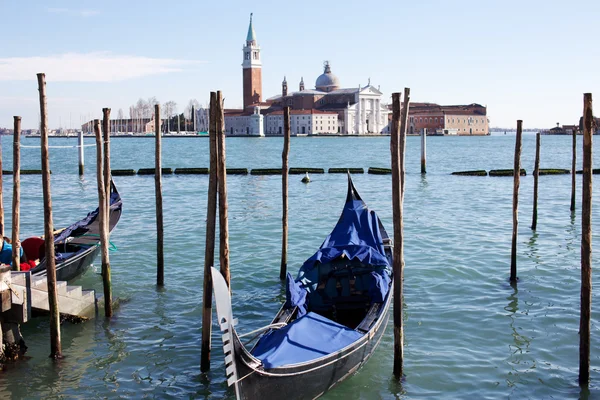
326,109
560,130
468,119
569,129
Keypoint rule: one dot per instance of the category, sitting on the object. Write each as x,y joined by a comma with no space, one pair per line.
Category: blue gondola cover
307,338
295,295
356,236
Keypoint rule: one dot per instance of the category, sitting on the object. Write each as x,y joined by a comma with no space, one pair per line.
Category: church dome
327,82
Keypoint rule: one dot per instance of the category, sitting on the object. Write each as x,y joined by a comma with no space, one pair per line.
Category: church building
326,109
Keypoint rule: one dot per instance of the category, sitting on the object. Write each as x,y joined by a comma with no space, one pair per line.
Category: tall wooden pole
424,151
222,188
397,145
209,252
586,243
16,202
517,180
105,196
396,215
107,177
55,345
573,169
100,179
1,191
536,177
403,131
284,189
160,259
81,152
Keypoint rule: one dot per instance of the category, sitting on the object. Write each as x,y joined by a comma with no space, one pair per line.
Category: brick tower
252,69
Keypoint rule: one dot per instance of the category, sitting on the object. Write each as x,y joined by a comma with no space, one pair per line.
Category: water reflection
396,387
520,345
584,394
573,241
533,248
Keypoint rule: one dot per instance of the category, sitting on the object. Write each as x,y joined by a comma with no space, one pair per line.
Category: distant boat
332,321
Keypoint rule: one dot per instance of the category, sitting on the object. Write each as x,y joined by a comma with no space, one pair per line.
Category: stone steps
72,300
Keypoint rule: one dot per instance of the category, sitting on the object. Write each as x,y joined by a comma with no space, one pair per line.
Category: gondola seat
343,286
34,248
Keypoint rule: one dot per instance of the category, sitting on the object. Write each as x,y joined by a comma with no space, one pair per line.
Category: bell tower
284,87
252,69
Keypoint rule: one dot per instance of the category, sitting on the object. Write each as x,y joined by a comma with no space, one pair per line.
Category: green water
468,333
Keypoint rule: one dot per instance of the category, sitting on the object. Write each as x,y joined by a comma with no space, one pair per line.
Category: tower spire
251,67
251,37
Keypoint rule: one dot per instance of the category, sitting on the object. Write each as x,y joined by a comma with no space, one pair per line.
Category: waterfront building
201,119
302,122
125,125
595,125
468,119
326,109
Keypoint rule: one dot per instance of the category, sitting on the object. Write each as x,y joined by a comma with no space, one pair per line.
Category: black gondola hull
72,267
78,263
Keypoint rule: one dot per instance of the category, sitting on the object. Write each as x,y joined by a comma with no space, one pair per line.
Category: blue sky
527,59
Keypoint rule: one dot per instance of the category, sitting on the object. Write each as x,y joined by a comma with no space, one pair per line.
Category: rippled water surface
468,332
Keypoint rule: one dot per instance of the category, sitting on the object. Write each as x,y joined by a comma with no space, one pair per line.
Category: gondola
76,246
335,314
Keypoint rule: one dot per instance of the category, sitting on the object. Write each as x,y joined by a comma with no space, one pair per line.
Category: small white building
303,122
243,123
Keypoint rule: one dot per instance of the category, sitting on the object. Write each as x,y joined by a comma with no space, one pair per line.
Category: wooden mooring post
160,259
536,178
574,169
55,344
16,201
284,190
222,189
81,152
586,243
397,146
424,151
107,176
515,208
209,252
104,195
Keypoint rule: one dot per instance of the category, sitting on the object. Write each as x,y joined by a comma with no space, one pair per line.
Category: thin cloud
89,67
80,13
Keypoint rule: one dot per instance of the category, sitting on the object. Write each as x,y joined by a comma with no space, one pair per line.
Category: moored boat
77,245
335,314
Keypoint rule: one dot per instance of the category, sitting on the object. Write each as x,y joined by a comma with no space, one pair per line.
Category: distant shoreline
248,136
